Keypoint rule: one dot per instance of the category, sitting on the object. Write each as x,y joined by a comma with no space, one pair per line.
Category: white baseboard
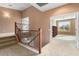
28,47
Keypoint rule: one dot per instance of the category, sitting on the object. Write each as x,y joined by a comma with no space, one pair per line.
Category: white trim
28,47
6,34
65,16
77,29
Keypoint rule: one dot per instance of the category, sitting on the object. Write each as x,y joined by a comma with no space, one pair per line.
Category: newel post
40,40
15,28
16,35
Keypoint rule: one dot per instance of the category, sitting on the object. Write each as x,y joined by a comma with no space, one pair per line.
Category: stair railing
19,31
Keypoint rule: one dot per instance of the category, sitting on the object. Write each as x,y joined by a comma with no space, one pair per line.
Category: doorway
67,28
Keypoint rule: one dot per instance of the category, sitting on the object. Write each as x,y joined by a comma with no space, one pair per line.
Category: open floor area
53,48
60,48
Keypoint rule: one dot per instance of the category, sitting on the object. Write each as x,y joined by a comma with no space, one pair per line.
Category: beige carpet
16,50
60,48
54,48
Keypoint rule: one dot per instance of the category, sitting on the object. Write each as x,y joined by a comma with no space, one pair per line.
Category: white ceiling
16,6
48,6
22,6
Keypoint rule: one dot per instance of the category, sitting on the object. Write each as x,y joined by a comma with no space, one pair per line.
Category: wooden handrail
29,30
22,29
17,37
21,24
40,40
15,27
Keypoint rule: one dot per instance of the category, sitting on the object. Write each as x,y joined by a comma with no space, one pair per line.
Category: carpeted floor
60,48
16,50
53,48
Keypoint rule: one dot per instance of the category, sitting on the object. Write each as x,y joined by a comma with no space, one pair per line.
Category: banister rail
19,32
29,30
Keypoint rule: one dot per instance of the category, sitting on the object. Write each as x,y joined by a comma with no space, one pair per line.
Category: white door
25,22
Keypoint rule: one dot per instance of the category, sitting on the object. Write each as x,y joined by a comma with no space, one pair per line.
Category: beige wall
7,19
36,20
72,7
34,16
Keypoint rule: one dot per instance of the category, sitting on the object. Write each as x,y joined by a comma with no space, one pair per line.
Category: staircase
30,37
7,41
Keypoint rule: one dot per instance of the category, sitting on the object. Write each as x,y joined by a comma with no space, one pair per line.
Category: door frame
67,16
